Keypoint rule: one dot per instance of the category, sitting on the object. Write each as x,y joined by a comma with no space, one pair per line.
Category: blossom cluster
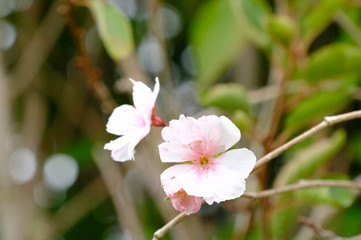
207,170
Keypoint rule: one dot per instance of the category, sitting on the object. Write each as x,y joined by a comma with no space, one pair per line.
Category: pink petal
219,130
184,130
171,178
144,99
215,183
185,203
241,161
125,119
174,152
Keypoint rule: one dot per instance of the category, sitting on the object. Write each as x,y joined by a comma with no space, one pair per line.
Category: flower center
203,160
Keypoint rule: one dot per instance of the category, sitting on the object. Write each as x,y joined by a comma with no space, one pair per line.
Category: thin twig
92,74
322,233
166,228
327,122
303,184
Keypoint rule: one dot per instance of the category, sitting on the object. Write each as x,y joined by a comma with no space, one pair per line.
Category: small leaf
226,96
282,29
114,29
305,161
315,107
242,121
283,219
332,62
318,19
253,19
217,40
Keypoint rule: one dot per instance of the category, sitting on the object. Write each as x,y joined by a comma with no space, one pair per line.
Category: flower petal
171,178
120,149
241,161
185,203
125,119
219,130
215,183
144,99
174,152
123,147
184,130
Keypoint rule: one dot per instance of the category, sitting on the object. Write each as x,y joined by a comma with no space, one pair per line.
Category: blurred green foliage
276,68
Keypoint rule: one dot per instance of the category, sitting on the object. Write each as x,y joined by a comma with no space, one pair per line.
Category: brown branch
327,122
303,184
91,73
322,233
166,228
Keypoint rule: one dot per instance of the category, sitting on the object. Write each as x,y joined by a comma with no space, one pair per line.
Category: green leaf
319,18
254,15
336,196
242,120
347,222
315,107
283,220
114,29
281,29
226,96
332,62
305,161
217,39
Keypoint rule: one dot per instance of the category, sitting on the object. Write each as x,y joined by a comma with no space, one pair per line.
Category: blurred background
275,67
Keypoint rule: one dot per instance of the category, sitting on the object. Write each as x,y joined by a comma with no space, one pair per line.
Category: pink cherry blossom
208,171
183,202
132,123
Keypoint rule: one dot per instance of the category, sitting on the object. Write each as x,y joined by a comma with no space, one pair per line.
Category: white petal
120,149
185,130
219,130
241,161
172,176
123,147
174,152
218,183
224,194
125,119
144,98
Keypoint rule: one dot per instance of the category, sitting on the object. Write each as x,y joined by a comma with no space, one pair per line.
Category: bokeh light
7,35
60,172
22,165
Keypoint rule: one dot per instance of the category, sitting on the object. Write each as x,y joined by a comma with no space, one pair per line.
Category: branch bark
322,233
84,63
166,228
303,184
327,122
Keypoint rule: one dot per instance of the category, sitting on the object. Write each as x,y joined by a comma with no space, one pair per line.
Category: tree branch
84,63
322,233
327,122
166,228
303,184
